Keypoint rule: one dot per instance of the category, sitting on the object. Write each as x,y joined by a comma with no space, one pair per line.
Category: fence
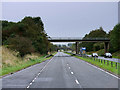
103,61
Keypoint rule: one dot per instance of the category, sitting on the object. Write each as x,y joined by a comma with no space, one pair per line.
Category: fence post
101,60
104,61
111,64
116,65
107,62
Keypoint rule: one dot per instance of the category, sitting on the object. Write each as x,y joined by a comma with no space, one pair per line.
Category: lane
62,71
65,71
90,77
56,75
22,78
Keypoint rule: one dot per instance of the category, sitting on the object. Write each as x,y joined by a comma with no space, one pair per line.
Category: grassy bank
101,65
24,64
101,52
116,54
12,63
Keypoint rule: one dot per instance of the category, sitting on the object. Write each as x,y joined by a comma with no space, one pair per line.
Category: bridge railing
76,38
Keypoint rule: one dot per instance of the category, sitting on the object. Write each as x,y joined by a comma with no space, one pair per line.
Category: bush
115,38
21,44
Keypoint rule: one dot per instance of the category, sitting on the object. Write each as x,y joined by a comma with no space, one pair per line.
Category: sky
65,19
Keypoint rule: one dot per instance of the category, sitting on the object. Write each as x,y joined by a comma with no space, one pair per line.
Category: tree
29,28
98,33
21,44
115,38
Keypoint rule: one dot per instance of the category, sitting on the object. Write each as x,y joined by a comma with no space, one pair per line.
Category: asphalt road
62,71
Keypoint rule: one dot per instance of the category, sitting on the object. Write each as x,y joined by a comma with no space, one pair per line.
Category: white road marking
77,81
69,67
102,70
30,83
72,73
28,86
67,64
39,73
33,80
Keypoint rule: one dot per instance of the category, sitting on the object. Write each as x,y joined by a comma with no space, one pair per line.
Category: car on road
108,55
94,55
88,55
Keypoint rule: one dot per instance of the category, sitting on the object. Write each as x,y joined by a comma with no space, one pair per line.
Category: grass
101,52
102,65
23,64
116,55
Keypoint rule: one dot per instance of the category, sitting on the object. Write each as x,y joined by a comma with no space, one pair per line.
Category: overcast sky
65,19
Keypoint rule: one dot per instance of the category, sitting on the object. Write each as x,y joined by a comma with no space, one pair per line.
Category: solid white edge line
77,81
102,70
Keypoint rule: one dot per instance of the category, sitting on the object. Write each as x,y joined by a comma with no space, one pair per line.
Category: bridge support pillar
106,46
76,47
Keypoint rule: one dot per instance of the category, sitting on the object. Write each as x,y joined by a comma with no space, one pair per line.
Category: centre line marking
72,73
76,81
33,80
30,83
28,86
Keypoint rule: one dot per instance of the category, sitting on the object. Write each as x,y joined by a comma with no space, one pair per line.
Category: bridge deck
77,39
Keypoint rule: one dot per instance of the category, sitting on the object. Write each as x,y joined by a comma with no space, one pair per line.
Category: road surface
62,71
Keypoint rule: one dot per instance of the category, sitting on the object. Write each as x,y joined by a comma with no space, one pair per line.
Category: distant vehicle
88,55
94,55
109,55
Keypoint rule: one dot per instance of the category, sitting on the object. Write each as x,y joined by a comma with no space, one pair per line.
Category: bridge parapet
72,39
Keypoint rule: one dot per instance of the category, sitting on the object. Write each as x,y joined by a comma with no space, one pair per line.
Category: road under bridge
79,39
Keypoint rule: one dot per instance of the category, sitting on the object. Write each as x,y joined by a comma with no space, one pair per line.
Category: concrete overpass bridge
79,39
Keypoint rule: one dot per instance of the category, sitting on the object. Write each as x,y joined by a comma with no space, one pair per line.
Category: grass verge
23,65
98,63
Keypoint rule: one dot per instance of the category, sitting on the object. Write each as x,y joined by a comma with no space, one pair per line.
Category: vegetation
24,43
98,33
115,38
101,65
116,54
12,63
26,37
98,47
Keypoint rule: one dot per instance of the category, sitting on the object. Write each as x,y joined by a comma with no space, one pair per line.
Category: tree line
114,36
26,36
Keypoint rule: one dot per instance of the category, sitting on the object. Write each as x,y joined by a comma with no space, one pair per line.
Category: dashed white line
69,67
38,74
33,80
72,73
30,83
28,86
77,81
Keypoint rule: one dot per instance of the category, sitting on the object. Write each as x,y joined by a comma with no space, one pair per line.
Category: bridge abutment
77,47
106,46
